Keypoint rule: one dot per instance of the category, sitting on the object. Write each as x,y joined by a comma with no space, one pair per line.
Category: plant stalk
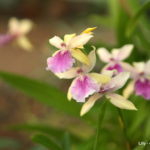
100,120
123,126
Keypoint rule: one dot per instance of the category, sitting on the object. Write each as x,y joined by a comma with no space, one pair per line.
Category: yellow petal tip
88,30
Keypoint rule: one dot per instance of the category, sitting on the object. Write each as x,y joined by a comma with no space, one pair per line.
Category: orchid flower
84,83
69,48
108,89
140,73
17,32
116,57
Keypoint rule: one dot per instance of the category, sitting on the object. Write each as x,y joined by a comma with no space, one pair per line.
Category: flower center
79,71
142,74
102,90
112,59
63,45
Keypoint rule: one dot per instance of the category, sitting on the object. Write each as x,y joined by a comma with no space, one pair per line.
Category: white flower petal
20,26
68,74
80,56
25,26
121,102
128,90
13,25
119,80
89,104
108,72
68,37
104,54
69,95
100,78
128,67
115,53
24,43
79,41
125,51
92,59
147,68
56,41
139,66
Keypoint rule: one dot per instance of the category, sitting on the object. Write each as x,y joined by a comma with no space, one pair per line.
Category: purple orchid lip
116,66
142,88
83,87
6,38
60,62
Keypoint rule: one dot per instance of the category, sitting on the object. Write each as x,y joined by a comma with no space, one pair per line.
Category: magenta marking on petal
82,87
60,62
79,71
6,38
142,88
117,67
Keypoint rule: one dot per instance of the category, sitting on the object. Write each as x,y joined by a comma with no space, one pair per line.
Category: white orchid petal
89,104
119,80
121,102
80,56
104,54
13,25
127,67
125,51
24,43
68,74
20,26
100,78
115,53
79,41
147,68
139,66
68,37
92,59
56,41
108,72
25,26
128,90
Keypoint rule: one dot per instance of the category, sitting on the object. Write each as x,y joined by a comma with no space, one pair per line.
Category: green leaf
38,147
134,20
119,19
9,143
46,141
66,141
140,147
42,92
45,129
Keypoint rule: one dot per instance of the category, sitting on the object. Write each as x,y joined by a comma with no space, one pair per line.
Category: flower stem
100,120
123,126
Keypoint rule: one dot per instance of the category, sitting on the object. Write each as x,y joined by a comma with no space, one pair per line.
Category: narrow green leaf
134,20
42,92
66,141
9,143
46,141
44,129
